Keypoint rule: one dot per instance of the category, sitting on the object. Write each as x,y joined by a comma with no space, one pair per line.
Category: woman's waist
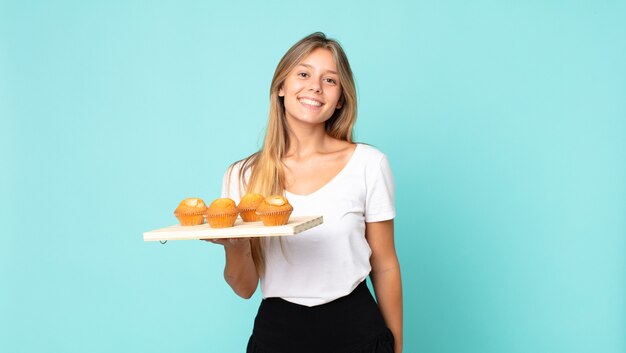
343,314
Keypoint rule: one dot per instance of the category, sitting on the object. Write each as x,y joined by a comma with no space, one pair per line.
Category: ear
281,92
339,104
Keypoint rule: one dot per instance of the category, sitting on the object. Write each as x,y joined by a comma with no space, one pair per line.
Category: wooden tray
240,230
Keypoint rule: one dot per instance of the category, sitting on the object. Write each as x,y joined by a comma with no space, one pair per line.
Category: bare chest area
306,176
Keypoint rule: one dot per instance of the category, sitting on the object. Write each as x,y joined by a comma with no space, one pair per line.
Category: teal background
504,121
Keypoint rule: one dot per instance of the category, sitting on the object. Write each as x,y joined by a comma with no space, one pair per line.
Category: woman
314,294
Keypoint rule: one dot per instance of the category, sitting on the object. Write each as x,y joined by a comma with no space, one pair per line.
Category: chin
311,121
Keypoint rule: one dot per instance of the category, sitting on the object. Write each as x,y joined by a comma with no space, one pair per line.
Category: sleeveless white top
327,262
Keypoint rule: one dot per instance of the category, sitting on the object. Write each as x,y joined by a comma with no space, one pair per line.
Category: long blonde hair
265,167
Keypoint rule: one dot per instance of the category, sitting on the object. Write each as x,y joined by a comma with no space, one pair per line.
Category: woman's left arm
385,276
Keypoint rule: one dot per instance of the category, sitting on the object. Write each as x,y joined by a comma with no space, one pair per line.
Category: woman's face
312,91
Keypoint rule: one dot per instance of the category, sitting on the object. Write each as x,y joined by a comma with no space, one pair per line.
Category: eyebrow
311,67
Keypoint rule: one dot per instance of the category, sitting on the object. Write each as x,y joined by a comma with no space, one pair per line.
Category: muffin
222,213
189,211
248,205
274,210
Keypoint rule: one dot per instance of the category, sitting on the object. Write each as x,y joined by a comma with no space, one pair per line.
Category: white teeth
310,102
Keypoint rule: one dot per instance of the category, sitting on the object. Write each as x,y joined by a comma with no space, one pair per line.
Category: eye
331,81
303,74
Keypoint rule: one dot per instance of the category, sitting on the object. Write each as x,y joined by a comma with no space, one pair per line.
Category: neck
306,139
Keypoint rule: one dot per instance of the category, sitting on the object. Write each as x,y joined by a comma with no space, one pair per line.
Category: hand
229,242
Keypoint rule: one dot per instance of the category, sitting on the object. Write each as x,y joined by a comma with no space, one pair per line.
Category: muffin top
274,203
250,201
221,206
189,206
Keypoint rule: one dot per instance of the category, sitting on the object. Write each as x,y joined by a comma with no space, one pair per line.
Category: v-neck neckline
331,181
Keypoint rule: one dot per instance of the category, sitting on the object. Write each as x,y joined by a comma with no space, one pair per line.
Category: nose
315,86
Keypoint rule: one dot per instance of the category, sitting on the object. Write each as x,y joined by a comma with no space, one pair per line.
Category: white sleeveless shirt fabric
327,262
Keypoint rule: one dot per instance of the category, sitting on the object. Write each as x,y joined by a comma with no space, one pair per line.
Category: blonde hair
267,175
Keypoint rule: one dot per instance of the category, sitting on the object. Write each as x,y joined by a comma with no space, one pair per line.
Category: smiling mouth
310,102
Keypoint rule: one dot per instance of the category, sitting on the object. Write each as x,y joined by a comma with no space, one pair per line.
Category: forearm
388,288
240,272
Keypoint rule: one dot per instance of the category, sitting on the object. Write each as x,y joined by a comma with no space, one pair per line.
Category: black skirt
351,324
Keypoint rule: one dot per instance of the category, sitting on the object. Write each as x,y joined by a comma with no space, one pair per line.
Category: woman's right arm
239,271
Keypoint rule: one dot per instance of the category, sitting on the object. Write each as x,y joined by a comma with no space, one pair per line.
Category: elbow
243,283
392,269
244,289
245,293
